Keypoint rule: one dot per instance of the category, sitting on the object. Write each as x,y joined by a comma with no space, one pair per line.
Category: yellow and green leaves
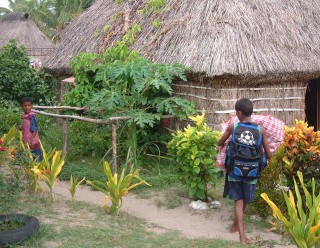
115,188
302,151
74,183
49,168
193,149
303,222
7,148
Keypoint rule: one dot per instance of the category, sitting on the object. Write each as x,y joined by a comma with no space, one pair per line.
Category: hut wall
285,101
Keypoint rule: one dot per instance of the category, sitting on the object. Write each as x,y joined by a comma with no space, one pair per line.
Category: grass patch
86,225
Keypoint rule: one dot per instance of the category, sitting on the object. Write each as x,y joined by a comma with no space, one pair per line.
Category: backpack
245,158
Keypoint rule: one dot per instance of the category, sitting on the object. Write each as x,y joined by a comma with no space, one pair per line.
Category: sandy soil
212,223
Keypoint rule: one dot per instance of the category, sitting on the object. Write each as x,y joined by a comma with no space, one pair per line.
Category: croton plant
302,152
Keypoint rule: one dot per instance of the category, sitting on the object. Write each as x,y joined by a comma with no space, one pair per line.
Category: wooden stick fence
113,121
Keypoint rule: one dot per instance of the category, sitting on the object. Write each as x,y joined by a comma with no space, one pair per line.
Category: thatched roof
246,39
18,26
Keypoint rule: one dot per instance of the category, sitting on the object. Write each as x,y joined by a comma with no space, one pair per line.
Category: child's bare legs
238,224
235,228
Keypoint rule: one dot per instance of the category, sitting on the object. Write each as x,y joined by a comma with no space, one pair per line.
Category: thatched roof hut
18,26
266,50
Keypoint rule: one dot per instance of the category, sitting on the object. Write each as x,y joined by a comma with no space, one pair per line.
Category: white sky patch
4,3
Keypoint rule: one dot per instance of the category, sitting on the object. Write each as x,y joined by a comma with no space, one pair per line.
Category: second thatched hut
20,27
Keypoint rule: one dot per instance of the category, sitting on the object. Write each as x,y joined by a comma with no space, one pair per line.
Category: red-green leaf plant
302,152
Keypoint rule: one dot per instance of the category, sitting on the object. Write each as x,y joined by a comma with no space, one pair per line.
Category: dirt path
212,223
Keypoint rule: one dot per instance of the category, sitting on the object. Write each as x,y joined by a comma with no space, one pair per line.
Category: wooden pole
65,135
114,145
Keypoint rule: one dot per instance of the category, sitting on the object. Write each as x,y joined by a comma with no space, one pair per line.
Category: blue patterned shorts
242,191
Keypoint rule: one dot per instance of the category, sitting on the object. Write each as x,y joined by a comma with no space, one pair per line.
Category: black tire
18,235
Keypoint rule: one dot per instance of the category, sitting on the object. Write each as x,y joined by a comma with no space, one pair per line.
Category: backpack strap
235,125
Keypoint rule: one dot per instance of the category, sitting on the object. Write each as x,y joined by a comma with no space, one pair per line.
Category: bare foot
234,228
246,241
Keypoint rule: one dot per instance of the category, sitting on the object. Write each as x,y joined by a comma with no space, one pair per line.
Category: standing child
242,190
30,133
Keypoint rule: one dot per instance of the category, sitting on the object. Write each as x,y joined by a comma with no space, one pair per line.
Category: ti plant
194,153
116,188
49,168
7,147
303,222
29,164
302,152
74,183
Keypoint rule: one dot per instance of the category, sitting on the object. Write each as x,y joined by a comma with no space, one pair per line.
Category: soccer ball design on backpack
245,158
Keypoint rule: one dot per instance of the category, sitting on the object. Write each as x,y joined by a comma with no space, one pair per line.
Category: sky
4,3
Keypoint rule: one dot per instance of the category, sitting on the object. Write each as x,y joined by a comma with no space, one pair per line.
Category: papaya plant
194,151
302,225
302,152
122,83
116,188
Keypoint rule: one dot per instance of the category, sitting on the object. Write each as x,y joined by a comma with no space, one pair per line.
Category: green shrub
88,139
10,116
18,79
269,182
194,151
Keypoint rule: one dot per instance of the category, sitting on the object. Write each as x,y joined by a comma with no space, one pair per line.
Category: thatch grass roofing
247,39
18,26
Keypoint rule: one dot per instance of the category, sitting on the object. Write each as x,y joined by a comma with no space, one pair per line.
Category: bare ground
212,223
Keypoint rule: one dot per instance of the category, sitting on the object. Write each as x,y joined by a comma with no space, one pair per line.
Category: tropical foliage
17,78
51,16
7,146
302,152
269,182
74,183
49,168
303,222
119,82
194,151
116,188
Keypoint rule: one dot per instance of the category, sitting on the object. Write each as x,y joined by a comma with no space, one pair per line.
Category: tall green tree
39,10
51,16
18,79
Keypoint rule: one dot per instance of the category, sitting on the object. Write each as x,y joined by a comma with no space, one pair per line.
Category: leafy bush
18,79
119,82
269,182
88,139
12,116
302,153
194,151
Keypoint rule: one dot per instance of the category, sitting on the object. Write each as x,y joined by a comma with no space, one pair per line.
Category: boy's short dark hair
245,106
25,99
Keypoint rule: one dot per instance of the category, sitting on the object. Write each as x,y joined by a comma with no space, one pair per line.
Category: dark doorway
313,104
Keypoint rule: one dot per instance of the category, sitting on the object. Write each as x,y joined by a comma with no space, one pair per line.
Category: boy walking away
245,159
30,135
